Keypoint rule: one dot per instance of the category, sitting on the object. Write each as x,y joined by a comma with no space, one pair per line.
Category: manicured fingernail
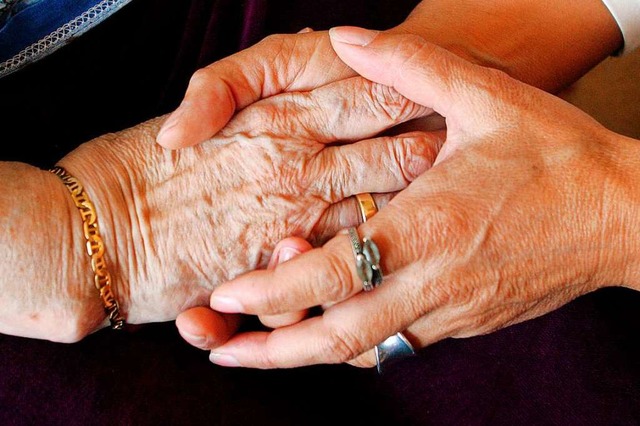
353,35
224,360
305,30
226,304
287,253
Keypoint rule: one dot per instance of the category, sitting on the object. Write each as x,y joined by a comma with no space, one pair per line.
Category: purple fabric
252,19
579,365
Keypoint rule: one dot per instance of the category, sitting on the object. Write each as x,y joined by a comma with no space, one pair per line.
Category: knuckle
279,48
425,146
274,40
260,119
275,300
287,116
342,345
366,360
413,154
337,271
306,173
339,183
461,288
390,105
200,78
270,358
461,292
316,174
283,116
330,175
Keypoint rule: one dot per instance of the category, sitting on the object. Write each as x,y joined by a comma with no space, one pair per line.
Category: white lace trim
62,35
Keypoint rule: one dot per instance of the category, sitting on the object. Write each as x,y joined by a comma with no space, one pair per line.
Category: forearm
46,285
548,44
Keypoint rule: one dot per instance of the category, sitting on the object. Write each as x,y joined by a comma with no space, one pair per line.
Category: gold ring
367,206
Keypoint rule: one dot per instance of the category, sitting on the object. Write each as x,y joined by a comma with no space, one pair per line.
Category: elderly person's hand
530,204
177,223
528,39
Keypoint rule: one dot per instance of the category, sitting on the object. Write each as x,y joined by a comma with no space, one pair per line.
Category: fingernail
287,253
353,35
171,121
226,304
193,339
224,360
305,30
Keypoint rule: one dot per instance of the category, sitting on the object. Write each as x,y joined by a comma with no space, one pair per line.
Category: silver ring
397,346
392,349
367,260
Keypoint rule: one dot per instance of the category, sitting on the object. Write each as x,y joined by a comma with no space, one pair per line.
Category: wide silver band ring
393,348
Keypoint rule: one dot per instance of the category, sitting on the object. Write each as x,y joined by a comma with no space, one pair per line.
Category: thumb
279,63
421,71
207,106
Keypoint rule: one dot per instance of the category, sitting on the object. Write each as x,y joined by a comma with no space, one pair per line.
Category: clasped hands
526,199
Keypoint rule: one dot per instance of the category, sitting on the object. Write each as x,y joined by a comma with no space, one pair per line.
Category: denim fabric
31,29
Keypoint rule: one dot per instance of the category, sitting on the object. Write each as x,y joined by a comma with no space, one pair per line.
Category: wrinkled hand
180,222
279,63
529,40
530,204
206,329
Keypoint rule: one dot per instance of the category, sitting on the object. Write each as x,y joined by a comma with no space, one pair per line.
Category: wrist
548,47
94,244
622,251
113,170
99,171
88,315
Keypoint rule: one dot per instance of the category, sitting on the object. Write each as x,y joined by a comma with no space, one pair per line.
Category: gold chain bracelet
95,245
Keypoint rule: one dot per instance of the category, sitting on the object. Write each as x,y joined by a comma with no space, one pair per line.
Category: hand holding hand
178,223
530,203
529,40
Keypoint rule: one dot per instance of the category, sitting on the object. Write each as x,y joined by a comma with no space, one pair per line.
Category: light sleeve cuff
627,15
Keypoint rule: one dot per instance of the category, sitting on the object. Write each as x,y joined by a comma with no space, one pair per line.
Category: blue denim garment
32,29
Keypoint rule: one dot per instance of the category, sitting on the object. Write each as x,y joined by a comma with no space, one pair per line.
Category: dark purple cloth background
579,365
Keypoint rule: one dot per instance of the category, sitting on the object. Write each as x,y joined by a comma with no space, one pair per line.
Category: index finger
323,276
343,332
